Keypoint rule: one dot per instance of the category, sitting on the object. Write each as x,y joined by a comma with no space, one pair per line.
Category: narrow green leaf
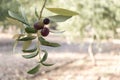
17,17
56,31
63,12
46,43
59,18
36,13
30,30
17,36
46,64
34,70
26,44
53,44
27,38
30,50
32,55
45,56
23,14
14,46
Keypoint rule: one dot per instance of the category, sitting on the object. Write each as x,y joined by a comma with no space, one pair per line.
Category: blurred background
90,45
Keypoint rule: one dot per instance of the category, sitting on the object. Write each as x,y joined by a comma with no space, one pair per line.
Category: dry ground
108,68
69,64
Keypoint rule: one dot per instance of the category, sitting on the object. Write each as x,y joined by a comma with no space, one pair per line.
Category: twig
42,9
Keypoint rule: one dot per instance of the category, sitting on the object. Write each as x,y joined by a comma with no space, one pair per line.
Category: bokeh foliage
97,18
14,5
6,5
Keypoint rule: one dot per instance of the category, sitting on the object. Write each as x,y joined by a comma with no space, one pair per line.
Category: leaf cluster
96,18
29,34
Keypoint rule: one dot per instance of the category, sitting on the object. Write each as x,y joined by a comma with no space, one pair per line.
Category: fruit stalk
42,9
38,45
38,34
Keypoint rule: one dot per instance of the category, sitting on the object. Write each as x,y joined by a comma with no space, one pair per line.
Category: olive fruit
38,25
46,21
44,31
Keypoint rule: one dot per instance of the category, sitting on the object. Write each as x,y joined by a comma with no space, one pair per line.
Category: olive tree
37,30
98,19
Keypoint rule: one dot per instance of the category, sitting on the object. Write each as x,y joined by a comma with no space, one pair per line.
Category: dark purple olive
46,21
38,26
44,31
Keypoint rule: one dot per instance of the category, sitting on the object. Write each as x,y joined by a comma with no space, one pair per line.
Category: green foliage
36,13
30,30
63,12
30,50
46,64
96,17
46,43
44,57
5,5
59,18
31,55
28,38
19,17
30,33
34,70
26,44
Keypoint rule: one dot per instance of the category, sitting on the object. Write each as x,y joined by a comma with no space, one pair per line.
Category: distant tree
98,19
37,30
14,5
6,5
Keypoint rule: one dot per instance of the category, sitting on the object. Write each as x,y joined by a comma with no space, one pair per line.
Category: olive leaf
34,70
46,43
32,55
36,13
30,50
56,31
17,36
44,56
30,30
46,64
23,14
63,12
26,44
59,18
17,17
27,38
14,45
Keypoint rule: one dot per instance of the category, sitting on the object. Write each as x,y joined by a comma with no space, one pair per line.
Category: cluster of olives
40,25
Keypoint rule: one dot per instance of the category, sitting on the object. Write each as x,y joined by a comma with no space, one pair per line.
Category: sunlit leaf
63,12
28,38
23,14
32,55
17,36
46,43
34,70
59,18
44,56
26,44
17,17
36,13
29,50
